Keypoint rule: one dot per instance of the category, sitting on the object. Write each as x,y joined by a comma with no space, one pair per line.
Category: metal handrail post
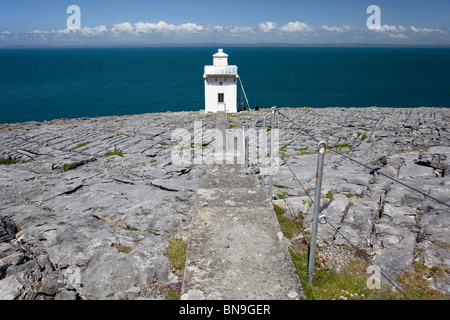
241,150
263,137
246,150
312,249
254,150
272,146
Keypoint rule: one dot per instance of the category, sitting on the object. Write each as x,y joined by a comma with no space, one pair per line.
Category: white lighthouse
220,85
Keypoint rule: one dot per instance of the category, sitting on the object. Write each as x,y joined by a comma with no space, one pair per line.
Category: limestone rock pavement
395,226
88,205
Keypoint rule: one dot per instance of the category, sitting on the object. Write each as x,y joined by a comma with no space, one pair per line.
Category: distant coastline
235,45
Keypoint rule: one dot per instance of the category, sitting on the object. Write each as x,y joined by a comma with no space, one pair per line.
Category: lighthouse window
220,98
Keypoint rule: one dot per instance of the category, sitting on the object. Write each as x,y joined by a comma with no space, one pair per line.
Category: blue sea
46,84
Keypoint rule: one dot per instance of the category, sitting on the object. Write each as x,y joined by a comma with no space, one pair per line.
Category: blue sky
43,22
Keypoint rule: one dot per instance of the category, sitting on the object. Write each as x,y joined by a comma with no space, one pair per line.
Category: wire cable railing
372,170
323,218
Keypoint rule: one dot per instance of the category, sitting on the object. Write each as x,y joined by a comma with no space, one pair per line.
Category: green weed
82,144
114,153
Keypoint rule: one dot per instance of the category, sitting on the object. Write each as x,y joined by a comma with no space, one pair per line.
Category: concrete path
236,249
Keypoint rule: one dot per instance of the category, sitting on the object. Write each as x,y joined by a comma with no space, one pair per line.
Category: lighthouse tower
220,85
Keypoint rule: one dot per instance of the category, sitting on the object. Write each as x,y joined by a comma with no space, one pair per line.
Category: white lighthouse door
221,101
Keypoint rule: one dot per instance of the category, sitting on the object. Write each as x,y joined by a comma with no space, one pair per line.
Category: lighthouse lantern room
220,85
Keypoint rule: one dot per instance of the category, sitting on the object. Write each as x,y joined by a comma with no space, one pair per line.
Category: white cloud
387,28
426,30
63,31
191,27
267,26
337,29
144,27
123,27
397,36
296,26
269,32
38,31
150,27
99,30
239,29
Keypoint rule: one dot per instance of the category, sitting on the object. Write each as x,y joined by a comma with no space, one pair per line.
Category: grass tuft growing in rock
82,145
330,196
281,195
176,252
345,145
191,145
289,227
347,282
8,162
69,166
338,278
416,284
114,153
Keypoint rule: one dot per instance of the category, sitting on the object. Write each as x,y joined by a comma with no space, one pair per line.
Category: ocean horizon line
232,45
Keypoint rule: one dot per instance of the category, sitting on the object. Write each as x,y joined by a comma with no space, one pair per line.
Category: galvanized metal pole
254,150
312,249
246,151
243,146
263,137
272,145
